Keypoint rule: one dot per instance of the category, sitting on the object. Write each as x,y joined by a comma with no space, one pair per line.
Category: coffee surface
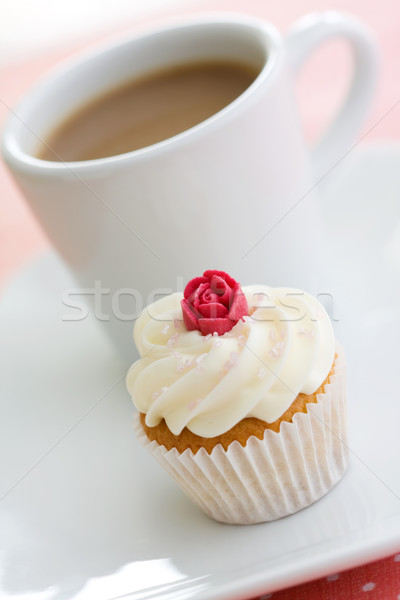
147,110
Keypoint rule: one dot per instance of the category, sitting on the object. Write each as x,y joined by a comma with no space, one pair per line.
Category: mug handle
304,36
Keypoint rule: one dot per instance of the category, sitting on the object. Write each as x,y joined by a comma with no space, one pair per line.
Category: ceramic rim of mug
78,80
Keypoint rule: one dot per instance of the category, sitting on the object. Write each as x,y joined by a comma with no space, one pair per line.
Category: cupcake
241,397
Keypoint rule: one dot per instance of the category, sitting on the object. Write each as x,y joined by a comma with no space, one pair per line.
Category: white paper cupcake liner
269,478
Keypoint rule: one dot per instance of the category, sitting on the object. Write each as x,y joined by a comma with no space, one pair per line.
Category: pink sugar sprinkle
177,323
257,298
184,365
272,335
306,332
233,360
200,367
194,403
173,340
242,340
276,350
234,357
261,373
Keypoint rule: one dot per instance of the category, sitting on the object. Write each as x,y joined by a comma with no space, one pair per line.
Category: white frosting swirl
210,383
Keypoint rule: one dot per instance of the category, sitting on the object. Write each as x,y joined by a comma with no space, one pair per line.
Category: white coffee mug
235,192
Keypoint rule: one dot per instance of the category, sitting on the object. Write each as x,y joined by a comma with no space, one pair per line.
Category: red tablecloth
376,581
320,86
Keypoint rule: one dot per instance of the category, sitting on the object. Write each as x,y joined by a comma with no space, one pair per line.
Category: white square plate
86,513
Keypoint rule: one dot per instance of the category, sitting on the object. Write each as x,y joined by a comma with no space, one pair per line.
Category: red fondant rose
213,303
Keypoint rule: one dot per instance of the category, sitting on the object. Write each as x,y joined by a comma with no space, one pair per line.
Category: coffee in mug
147,110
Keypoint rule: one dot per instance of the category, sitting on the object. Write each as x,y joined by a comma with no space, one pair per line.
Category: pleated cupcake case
269,478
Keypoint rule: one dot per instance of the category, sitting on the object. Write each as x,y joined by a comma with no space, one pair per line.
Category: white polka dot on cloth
368,587
333,577
397,558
